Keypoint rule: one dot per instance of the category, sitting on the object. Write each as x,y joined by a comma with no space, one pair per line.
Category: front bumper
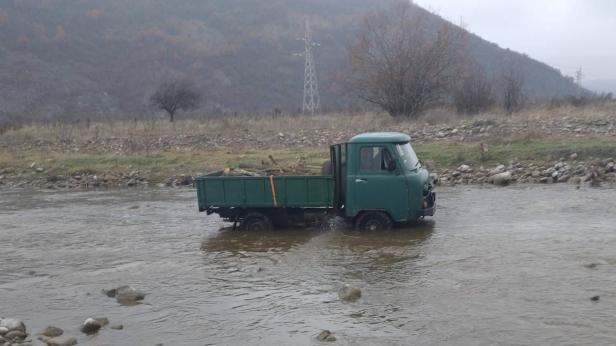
429,205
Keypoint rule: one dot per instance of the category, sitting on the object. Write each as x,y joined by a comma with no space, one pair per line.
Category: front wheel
257,222
373,221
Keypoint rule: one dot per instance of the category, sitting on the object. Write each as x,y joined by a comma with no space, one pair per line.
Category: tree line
403,64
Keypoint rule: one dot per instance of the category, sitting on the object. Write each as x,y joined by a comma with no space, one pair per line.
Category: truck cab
379,180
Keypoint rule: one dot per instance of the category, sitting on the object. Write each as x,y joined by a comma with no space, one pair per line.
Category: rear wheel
257,222
373,221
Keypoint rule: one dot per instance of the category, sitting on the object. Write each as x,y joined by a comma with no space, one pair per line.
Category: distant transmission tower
312,101
578,81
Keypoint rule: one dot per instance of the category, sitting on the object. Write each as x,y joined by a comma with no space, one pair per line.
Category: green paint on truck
376,180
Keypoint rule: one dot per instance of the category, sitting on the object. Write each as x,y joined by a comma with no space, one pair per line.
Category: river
506,266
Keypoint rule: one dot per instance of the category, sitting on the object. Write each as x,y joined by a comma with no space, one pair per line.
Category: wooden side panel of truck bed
265,192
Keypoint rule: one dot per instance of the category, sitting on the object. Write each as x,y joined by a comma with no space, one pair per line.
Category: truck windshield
407,156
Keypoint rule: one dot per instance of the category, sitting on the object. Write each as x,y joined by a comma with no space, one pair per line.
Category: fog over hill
601,85
100,58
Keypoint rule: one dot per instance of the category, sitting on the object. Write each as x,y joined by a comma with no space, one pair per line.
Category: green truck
375,181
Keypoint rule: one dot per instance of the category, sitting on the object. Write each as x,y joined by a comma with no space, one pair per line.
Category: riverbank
539,146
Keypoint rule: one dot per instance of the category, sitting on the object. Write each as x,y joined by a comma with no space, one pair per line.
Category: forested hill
105,57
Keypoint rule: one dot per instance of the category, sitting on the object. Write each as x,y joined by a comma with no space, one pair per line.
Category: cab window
375,159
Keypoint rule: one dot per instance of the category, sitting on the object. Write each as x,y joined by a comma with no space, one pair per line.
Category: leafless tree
401,62
513,95
174,95
474,92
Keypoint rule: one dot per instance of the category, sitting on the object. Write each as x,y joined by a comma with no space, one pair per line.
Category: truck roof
381,137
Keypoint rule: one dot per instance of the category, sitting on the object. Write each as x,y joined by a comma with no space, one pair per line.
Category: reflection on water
495,266
236,241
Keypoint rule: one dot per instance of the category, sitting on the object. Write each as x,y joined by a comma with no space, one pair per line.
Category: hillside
103,58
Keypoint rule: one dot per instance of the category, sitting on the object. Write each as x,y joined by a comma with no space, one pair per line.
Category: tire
373,221
257,222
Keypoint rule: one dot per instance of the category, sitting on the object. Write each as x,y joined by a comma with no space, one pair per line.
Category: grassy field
299,145
447,154
158,166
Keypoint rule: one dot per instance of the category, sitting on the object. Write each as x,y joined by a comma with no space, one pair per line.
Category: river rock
326,336
52,332
15,335
12,324
90,326
117,327
497,170
70,341
3,330
434,178
349,294
125,294
611,167
103,321
500,179
465,169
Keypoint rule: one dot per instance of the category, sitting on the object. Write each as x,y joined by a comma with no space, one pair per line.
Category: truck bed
265,192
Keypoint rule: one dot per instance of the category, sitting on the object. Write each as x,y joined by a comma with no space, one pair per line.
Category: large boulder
12,324
90,326
15,335
501,179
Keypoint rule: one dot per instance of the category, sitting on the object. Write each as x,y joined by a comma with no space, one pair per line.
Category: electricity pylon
312,101
578,81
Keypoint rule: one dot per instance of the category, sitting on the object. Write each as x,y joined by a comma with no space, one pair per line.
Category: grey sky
565,34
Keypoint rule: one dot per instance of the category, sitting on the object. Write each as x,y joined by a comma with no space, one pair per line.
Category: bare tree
474,93
174,95
513,95
401,62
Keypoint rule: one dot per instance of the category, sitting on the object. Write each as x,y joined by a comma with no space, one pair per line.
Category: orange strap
271,179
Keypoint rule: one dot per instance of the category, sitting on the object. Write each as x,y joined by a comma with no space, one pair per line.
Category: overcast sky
566,34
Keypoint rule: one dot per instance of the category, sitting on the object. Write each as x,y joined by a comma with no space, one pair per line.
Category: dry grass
267,125
228,126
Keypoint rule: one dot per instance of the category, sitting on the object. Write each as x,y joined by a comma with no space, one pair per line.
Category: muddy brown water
494,266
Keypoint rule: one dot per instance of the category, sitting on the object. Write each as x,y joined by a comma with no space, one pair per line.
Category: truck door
377,183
